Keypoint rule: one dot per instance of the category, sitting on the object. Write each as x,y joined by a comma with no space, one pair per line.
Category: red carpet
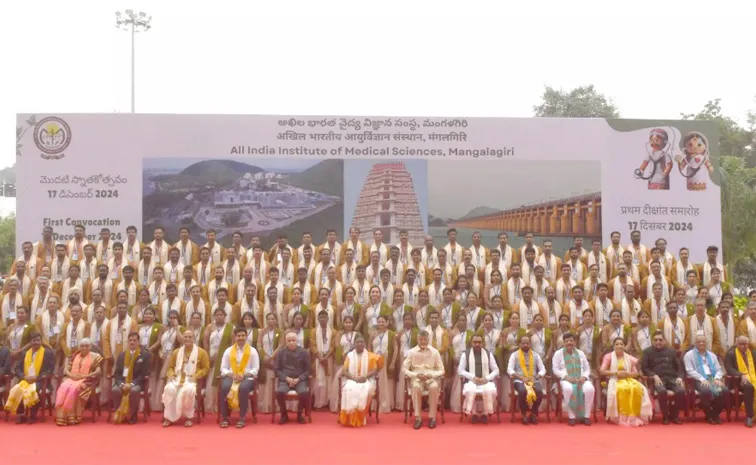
325,442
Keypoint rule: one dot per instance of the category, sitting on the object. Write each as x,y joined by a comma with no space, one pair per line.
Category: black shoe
587,421
31,420
571,422
525,421
301,419
711,421
20,420
533,420
749,422
665,421
484,419
283,420
474,419
418,423
717,420
677,421
432,423
132,421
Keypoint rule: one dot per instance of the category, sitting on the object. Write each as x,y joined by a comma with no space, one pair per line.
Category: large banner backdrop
268,175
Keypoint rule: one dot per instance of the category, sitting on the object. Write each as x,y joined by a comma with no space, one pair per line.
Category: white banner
271,175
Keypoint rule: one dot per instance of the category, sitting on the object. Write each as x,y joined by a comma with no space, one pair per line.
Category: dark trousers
134,397
670,412
303,391
748,399
711,404
245,387
522,395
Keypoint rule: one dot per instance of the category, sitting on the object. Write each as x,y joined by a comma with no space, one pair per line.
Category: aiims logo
52,136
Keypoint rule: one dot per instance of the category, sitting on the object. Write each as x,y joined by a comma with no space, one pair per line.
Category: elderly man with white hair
747,325
702,365
188,364
739,364
11,301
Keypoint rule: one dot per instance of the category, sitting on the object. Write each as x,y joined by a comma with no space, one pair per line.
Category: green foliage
7,242
733,139
580,102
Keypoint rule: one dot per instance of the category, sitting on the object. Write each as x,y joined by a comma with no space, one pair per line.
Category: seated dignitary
293,367
81,371
526,368
131,373
702,365
739,363
661,363
36,363
571,367
239,368
425,369
359,371
478,366
187,364
627,400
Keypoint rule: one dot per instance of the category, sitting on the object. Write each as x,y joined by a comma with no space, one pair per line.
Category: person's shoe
525,421
283,420
132,421
301,419
31,420
677,421
432,423
710,420
717,420
571,422
749,422
533,420
20,419
587,421
474,419
418,423
665,421
484,419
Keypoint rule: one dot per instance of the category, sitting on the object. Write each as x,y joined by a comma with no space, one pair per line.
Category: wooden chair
408,407
596,381
144,396
670,397
376,400
513,407
694,402
497,399
253,396
292,396
45,398
733,385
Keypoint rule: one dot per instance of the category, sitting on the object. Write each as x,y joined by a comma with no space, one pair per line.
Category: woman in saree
359,370
250,324
382,343
344,343
81,375
627,400
267,344
510,338
142,304
461,337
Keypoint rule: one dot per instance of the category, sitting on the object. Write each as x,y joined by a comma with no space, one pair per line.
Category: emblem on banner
52,136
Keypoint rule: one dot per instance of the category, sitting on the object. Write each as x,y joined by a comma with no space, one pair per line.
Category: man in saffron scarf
573,370
187,364
360,369
132,372
239,368
702,365
526,368
37,363
82,373
478,366
739,363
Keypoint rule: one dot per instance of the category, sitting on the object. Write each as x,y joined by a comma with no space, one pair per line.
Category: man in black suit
130,378
31,377
744,379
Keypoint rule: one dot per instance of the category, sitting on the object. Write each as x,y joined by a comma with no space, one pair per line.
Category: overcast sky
408,57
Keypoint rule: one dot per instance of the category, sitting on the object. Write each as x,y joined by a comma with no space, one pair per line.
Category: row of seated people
329,341
627,399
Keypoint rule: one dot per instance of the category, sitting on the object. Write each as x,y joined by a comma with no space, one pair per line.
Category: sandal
188,424
240,424
224,424
166,423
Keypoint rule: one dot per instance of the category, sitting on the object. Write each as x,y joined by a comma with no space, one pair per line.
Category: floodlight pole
133,22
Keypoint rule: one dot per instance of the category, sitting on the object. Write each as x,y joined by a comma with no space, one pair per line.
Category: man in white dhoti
479,368
188,364
359,371
571,367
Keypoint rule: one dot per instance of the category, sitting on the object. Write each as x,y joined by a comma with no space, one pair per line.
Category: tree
7,242
733,139
581,102
738,224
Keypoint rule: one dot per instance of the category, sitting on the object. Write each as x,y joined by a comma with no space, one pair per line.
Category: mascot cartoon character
695,164
658,162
